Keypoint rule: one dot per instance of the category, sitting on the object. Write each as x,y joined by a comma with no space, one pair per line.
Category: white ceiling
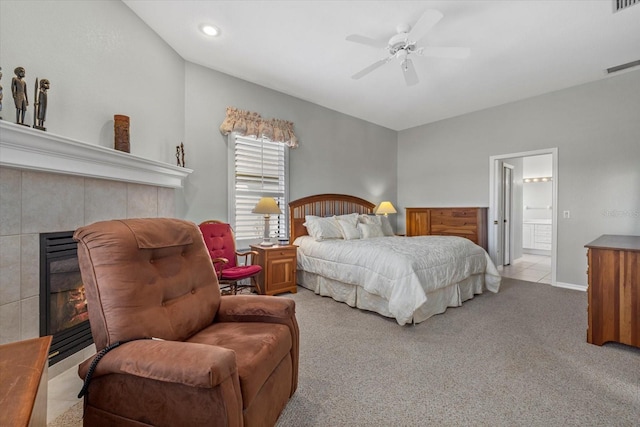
518,48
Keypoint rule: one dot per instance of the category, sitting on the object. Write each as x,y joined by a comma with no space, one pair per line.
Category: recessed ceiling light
209,30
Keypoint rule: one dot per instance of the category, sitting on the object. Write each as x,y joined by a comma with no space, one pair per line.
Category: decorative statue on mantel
40,104
180,154
0,92
121,133
19,91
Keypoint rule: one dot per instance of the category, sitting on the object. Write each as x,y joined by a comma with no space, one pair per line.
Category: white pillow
349,230
370,230
386,226
381,220
322,228
350,218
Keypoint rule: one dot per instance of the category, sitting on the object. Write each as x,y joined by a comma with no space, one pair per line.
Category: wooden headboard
323,205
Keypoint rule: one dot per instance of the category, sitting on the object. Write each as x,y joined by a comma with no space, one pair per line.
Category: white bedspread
402,270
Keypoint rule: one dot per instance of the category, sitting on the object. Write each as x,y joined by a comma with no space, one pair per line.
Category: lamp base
267,243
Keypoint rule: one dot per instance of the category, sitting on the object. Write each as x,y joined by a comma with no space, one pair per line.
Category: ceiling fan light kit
404,43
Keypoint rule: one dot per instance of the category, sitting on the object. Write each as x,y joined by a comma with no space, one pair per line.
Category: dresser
464,222
614,290
279,265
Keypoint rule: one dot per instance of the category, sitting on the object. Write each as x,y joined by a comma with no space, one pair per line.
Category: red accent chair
221,244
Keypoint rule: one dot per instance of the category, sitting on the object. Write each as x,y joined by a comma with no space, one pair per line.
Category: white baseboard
572,286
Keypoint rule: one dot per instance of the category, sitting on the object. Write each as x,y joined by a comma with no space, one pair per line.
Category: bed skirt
355,296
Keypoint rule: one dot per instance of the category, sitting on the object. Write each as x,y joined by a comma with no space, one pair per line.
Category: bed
406,278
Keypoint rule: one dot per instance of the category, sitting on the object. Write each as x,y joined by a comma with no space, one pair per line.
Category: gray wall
337,153
596,129
101,60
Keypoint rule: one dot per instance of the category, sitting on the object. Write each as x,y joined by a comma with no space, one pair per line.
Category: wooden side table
23,389
279,264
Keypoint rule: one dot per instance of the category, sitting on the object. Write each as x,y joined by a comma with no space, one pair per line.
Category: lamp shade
267,205
385,208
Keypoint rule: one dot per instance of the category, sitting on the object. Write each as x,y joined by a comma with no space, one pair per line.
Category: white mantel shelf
25,148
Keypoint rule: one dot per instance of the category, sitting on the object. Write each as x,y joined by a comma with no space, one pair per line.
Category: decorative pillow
322,228
370,230
349,230
381,220
350,218
386,226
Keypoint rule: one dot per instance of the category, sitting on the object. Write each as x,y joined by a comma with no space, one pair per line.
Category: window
259,168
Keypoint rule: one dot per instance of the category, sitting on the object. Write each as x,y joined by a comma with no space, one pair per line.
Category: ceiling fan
404,44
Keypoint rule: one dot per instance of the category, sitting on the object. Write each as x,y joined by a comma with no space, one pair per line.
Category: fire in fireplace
63,305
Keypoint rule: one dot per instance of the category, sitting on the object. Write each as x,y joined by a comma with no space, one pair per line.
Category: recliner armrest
256,308
193,364
265,309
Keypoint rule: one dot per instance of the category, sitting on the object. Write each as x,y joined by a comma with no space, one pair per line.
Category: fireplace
63,305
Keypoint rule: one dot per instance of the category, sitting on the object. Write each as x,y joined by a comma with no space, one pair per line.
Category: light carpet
516,358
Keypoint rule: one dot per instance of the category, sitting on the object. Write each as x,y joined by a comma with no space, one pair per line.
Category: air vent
618,5
623,66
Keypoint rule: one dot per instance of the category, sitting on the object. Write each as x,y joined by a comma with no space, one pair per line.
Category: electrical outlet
566,214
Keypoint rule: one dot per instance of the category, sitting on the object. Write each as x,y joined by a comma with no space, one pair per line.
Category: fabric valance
247,123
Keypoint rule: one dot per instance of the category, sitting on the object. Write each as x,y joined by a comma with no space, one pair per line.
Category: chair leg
254,284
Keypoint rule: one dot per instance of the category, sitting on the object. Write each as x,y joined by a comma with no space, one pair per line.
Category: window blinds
260,171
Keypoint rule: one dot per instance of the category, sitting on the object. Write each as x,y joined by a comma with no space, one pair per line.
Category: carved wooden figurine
19,92
180,154
40,107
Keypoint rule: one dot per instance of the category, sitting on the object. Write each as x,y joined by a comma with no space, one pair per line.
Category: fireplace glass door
63,304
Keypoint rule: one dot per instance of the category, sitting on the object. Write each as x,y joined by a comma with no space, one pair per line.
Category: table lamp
266,206
385,208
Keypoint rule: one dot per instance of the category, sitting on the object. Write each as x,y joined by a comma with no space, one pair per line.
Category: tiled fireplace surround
33,201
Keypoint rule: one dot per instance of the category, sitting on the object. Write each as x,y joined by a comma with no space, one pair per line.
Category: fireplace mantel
24,148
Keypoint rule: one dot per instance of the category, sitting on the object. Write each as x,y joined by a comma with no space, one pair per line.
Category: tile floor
532,268
62,392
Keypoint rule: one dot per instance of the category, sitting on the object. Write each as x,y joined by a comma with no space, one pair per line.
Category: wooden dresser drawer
464,222
282,253
457,231
463,218
469,213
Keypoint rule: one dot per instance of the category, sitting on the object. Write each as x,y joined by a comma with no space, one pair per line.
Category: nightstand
279,264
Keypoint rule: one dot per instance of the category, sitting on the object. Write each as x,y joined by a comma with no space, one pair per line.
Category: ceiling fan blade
370,68
444,52
409,71
356,38
428,19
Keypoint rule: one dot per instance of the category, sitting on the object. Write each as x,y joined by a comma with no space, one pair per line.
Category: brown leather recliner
217,361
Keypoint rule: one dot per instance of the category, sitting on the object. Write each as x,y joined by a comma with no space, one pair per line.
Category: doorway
507,213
